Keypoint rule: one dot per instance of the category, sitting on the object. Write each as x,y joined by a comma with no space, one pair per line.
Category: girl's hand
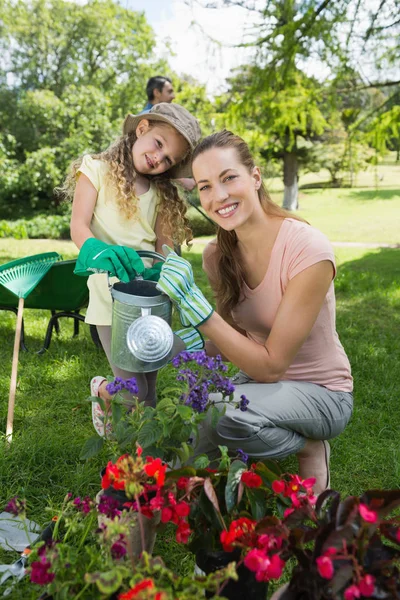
176,280
96,256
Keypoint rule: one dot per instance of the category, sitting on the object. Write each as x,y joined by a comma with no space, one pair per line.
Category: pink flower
370,516
288,512
351,593
367,585
325,567
265,567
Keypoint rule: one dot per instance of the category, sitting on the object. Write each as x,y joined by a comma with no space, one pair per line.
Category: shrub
54,227
199,224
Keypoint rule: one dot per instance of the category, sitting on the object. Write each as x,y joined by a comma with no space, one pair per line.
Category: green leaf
215,416
91,447
184,452
233,480
108,582
166,407
149,434
201,462
184,411
185,433
174,391
116,411
258,502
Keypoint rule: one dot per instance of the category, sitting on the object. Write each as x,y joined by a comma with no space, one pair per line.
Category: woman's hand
176,280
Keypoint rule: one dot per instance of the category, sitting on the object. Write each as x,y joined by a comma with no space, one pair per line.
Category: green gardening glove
192,338
153,273
96,256
176,280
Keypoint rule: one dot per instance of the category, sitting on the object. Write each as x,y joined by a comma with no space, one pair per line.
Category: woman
272,274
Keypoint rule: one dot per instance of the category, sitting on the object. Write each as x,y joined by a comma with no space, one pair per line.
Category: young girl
123,199
272,274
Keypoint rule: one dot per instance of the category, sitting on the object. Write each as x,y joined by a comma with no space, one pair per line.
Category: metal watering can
141,336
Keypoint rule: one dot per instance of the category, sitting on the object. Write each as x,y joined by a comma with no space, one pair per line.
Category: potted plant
344,549
215,510
165,431
83,560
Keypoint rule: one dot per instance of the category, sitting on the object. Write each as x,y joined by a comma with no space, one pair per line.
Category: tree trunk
290,168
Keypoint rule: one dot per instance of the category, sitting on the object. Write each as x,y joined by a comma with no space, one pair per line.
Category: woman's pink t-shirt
321,359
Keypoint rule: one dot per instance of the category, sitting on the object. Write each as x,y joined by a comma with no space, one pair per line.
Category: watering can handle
144,254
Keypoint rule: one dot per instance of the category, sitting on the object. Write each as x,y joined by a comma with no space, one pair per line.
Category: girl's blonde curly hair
122,177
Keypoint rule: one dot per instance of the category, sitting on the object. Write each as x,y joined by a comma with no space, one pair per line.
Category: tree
277,93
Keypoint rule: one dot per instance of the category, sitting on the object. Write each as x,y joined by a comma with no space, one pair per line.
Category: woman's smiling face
227,190
157,148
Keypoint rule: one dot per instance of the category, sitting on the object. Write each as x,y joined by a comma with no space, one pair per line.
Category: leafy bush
200,225
54,227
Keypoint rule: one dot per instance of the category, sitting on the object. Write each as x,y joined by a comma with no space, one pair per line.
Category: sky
194,53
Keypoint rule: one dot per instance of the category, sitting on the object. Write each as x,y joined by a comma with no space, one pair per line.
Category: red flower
367,585
146,584
183,532
155,468
325,567
237,530
113,477
182,483
252,480
278,486
370,516
351,593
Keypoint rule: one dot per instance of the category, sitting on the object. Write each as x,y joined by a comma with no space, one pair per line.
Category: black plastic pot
245,588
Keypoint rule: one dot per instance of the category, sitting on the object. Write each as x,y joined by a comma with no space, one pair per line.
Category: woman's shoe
98,415
327,449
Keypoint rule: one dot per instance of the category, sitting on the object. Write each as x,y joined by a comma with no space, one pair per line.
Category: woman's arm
297,313
85,198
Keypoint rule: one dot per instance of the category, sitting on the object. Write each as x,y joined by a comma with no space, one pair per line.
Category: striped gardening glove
192,339
176,280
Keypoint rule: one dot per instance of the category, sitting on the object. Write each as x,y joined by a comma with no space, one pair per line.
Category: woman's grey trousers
278,420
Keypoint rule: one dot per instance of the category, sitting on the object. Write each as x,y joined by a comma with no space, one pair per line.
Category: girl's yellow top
111,226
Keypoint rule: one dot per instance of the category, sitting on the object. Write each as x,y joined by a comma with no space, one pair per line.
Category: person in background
275,319
124,200
158,89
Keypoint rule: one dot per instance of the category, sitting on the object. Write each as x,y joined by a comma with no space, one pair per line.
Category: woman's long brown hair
122,177
230,271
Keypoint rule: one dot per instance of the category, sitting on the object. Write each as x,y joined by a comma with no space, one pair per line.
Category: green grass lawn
52,419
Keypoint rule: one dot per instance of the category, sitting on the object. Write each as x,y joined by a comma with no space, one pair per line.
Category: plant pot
131,519
246,587
279,593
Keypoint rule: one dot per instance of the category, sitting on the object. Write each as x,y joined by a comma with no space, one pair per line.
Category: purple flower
131,386
40,571
108,506
243,403
120,384
84,505
118,549
16,506
242,455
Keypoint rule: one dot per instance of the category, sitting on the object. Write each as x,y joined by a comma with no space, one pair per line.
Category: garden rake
20,277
